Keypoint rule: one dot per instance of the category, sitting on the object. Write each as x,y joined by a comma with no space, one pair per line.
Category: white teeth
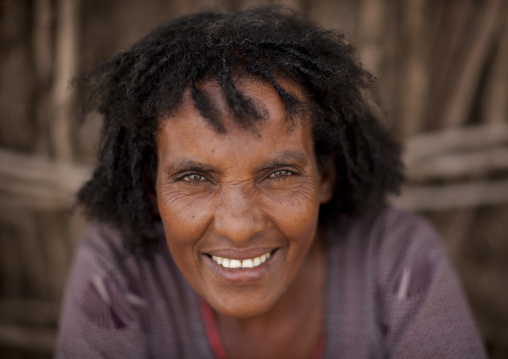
218,259
235,263
246,263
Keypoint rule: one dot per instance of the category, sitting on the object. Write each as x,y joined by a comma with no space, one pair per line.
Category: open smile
242,268
246,263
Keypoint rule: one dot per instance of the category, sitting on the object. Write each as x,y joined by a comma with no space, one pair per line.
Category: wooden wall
443,85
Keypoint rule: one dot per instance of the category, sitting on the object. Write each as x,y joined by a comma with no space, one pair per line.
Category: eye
193,178
281,173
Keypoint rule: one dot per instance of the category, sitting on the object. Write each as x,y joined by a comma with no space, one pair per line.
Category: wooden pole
457,109
464,195
42,47
28,338
459,165
462,139
65,70
495,97
416,78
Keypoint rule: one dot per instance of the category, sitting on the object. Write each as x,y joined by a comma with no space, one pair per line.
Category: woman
239,198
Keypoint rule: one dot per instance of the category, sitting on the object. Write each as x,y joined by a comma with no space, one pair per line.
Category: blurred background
442,68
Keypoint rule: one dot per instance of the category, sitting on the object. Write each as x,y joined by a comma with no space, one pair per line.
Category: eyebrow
283,159
186,164
286,158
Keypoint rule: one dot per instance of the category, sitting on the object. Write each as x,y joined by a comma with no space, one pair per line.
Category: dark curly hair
137,87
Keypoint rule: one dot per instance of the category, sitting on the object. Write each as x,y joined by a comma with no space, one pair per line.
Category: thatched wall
443,80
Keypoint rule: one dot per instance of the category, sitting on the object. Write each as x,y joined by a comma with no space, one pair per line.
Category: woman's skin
241,195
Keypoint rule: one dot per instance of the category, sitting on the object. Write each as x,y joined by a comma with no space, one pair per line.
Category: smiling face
244,198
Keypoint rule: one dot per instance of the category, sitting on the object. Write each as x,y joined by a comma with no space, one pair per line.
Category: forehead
256,90
186,132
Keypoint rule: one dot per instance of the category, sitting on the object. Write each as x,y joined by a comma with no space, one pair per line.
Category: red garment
214,338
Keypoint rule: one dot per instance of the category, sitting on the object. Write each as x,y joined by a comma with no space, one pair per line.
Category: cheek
185,218
295,212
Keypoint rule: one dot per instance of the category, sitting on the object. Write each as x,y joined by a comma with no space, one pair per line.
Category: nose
238,215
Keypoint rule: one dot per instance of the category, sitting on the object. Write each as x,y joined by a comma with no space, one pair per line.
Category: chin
242,312
244,308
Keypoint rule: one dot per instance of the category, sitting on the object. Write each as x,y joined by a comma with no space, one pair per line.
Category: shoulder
101,242
124,306
405,239
106,281
392,226
384,236
398,272
392,243
104,240
101,254
387,224
104,303
420,303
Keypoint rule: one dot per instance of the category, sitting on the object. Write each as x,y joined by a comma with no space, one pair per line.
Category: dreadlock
137,87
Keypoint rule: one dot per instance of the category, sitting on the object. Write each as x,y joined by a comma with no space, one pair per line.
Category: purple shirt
390,292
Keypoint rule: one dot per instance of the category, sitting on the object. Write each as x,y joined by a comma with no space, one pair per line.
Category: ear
327,177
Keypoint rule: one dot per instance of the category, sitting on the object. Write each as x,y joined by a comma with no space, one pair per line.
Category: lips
241,268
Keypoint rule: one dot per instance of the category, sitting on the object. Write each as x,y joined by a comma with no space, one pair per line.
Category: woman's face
244,198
